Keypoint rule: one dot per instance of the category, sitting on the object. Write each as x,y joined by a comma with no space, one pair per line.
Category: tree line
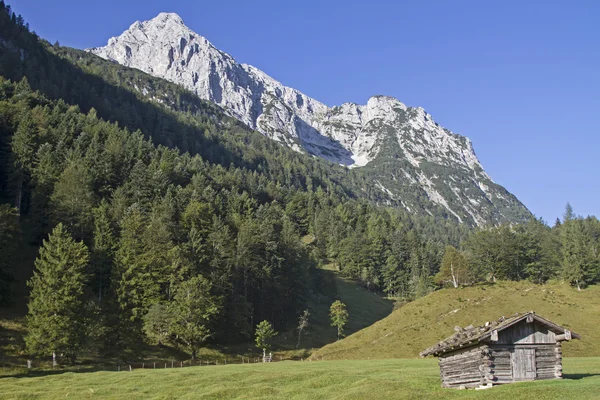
147,229
570,250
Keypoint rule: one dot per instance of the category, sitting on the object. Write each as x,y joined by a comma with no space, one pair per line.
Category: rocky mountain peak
403,147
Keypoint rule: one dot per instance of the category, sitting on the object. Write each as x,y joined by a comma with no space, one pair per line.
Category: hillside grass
364,306
424,322
381,379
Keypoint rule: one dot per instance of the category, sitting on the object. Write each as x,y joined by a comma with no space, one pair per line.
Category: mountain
414,162
422,323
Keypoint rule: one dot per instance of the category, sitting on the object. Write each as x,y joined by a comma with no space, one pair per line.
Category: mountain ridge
384,130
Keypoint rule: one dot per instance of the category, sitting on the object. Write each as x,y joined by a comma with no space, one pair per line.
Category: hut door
523,364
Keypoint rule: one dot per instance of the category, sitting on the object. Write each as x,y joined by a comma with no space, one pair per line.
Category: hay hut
520,348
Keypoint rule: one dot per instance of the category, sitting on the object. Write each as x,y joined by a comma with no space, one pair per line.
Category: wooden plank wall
466,368
548,361
526,333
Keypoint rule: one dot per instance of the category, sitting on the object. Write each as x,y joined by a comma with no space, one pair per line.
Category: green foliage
454,269
56,307
165,193
263,334
193,311
158,323
580,239
73,199
339,316
534,251
9,239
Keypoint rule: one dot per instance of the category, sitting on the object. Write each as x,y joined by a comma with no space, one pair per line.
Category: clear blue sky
520,78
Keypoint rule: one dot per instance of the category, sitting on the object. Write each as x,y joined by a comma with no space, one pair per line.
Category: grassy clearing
381,379
420,324
364,307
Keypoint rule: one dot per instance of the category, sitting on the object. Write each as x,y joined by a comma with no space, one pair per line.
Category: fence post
28,364
182,364
154,364
165,365
143,365
130,369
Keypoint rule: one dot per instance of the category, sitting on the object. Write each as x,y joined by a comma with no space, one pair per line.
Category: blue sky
520,78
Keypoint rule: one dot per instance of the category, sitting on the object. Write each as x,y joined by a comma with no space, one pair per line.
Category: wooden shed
520,348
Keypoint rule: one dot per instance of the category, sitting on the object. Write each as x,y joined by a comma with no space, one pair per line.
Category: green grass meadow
422,323
374,379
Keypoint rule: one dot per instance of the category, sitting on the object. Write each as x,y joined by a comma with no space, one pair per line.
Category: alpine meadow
163,206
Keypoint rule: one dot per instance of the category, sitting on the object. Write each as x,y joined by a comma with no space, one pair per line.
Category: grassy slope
382,379
422,323
364,306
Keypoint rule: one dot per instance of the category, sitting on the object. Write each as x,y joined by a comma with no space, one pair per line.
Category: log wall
467,368
548,362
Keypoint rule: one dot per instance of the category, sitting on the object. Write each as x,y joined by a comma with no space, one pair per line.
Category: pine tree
158,323
9,238
73,199
103,250
56,307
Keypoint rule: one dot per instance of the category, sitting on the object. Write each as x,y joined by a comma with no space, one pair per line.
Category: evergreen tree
9,239
103,250
55,322
73,200
158,323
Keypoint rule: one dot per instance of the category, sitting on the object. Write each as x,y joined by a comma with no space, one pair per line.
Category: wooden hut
520,348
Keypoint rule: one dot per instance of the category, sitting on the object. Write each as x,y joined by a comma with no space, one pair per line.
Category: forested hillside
156,218
140,225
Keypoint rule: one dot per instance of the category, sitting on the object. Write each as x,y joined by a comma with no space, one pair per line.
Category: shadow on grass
40,373
579,376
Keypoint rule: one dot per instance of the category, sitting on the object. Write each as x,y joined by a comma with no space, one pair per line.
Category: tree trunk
299,336
54,363
454,280
19,198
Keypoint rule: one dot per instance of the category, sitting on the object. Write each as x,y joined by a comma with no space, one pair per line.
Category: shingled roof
471,335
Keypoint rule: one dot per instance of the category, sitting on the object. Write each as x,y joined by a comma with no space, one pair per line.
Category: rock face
407,154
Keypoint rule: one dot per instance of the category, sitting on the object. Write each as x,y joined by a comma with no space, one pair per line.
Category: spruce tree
56,306
9,237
